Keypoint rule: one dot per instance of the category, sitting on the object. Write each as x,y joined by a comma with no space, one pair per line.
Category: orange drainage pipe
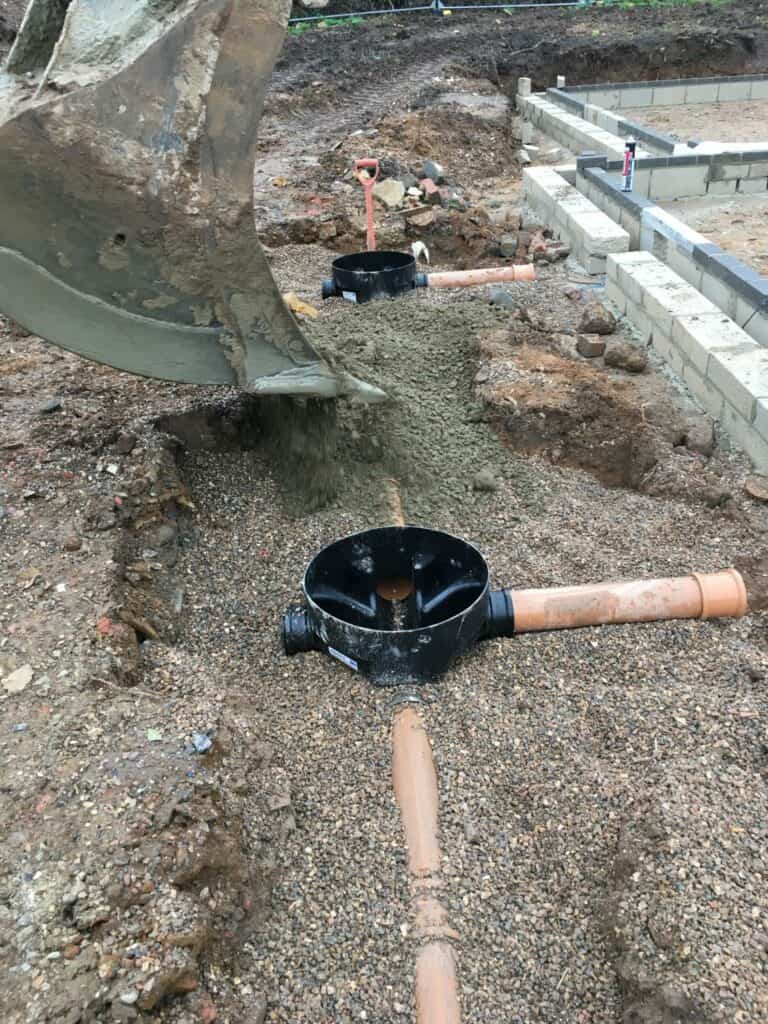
698,596
395,503
486,275
415,783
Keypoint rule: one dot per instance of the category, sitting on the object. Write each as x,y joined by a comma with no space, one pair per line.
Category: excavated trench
582,777
542,743
552,752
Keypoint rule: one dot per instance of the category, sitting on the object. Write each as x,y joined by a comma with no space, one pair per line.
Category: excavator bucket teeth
127,134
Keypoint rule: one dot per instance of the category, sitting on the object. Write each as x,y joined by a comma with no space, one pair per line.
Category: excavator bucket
127,149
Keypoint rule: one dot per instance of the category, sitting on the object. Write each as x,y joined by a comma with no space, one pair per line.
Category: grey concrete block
601,235
641,183
602,118
760,422
567,172
757,328
639,96
704,336
680,261
745,310
759,90
672,298
741,376
731,171
631,225
745,436
609,208
615,296
704,391
677,182
721,188
594,265
669,95
641,324
719,292
626,276
668,352
734,91
753,186
659,246
609,98
701,92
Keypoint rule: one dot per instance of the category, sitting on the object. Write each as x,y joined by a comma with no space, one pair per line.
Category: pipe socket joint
421,280
500,615
298,632
722,593
328,288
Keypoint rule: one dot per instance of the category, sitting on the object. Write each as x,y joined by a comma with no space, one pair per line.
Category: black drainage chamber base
378,274
397,604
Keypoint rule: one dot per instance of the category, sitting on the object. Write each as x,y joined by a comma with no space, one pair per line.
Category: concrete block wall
746,172
570,131
652,140
673,92
736,289
591,234
601,190
686,177
725,369
598,104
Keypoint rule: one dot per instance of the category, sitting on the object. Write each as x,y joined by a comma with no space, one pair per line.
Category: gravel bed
554,752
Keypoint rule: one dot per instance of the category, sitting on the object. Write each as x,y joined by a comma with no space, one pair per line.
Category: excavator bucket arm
127,148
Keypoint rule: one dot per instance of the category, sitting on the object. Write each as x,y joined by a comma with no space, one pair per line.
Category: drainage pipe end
723,594
297,631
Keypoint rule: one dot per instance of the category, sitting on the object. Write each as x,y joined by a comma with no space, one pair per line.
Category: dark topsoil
584,45
695,39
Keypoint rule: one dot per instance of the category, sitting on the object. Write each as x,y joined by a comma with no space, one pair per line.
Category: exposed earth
738,222
724,122
196,828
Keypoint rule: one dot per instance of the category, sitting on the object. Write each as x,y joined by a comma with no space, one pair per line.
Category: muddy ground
195,828
724,122
739,223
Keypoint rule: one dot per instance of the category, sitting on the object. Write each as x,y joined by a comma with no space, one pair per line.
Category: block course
725,369
590,232
736,289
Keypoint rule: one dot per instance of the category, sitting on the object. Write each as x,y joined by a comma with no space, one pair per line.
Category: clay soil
194,827
739,224
703,122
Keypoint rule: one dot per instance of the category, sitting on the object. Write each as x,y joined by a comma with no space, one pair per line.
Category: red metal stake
367,181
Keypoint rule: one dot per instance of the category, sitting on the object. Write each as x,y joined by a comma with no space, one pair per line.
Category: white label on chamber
349,662
349,296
